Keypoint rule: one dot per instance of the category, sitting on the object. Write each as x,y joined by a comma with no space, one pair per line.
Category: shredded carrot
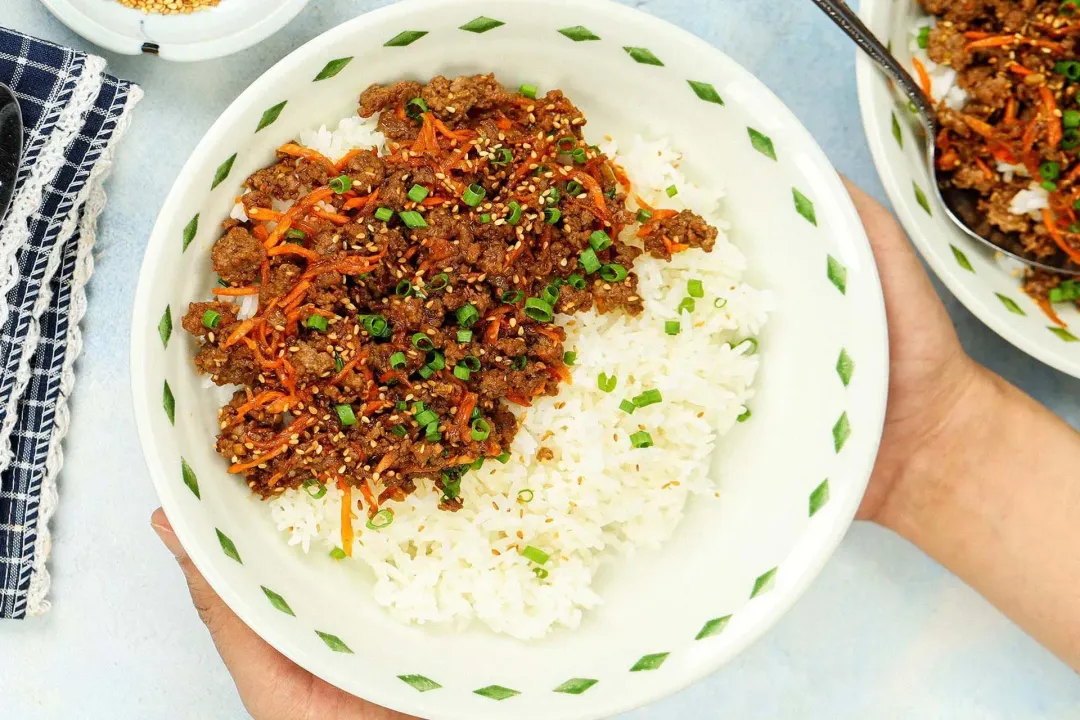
673,247
491,335
348,368
976,35
985,168
1046,307
518,399
261,233
236,292
441,127
1051,224
924,77
341,164
375,406
387,461
297,293
465,411
654,222
241,467
1020,70
993,41
294,249
1011,110
297,212
241,330
1054,133
595,192
979,126
360,202
336,218
426,141
294,150
346,518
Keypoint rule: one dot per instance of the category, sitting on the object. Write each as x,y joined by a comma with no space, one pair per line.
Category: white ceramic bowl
232,26
986,283
790,478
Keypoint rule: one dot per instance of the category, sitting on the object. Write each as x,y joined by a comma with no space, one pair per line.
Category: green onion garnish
550,294
744,417
600,240
341,184
1068,68
375,325
613,273
512,297
1070,139
438,282
418,193
554,196
477,465
688,305
589,261
672,327
529,91
337,553
432,434
426,417
472,363
345,414
339,364
627,407
416,108
294,234
403,289
211,319
552,215
502,156
577,282
606,383
503,457
464,336
672,191
474,195
316,322
1070,119
751,343
384,214
566,144
399,430
467,316
412,219
481,429
574,188
535,554
538,309
644,216
485,219
569,357
314,488
719,302
579,155
520,362
381,520
924,37
436,360
515,212
641,439
462,373
647,398
540,573
397,360
1050,170
422,342
525,496
695,289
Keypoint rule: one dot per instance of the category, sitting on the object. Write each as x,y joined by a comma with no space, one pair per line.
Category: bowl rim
873,119
825,540
245,37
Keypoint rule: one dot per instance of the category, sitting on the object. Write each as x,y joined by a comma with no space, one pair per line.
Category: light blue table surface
883,633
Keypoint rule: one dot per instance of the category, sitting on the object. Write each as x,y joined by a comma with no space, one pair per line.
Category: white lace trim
94,197
16,233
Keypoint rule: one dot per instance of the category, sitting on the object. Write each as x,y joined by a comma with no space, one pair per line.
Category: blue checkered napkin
74,115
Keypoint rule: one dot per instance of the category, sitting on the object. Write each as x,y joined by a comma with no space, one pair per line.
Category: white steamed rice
598,497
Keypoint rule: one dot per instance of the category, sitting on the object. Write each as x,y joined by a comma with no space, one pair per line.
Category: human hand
271,686
936,392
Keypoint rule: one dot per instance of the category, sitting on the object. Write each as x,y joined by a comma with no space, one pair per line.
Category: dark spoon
11,144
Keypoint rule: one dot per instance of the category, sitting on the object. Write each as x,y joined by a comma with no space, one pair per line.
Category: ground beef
366,170
381,97
237,256
193,318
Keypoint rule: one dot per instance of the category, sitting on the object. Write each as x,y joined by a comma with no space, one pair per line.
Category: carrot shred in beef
1055,232
299,151
924,78
293,249
1054,132
235,291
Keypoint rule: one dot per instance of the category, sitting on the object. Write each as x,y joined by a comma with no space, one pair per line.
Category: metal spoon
11,145
960,205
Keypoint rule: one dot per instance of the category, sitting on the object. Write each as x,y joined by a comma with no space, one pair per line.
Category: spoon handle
846,19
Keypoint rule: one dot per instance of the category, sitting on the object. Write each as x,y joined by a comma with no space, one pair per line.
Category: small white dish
987,283
789,480
209,33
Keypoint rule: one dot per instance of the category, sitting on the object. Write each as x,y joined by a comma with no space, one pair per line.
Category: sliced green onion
552,215
688,305
600,241
550,295
745,416
538,309
294,234
520,362
474,414
672,191
641,439
462,373
924,37
381,520
416,108
438,282
375,325
751,342
212,318
525,496
403,289
535,554
606,383
1070,139
515,212
472,363
554,196
477,465
432,434
579,156
464,336
418,193
422,342
569,357
341,184
467,316
1050,170
627,407
695,289
481,429
566,144
316,322
222,283
1070,119
1069,7
485,219
426,417
529,91
589,261
503,457
540,573
397,360
719,303
399,430
345,414
474,195
314,488
541,170
436,360
512,297
412,219
574,188
338,554
502,156
577,282
339,364
644,216
1068,68
672,327
384,214
647,398
613,273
